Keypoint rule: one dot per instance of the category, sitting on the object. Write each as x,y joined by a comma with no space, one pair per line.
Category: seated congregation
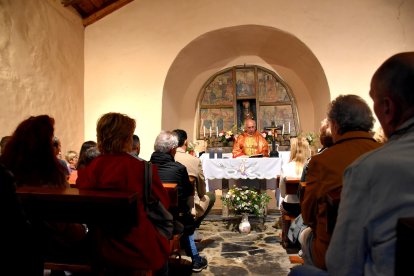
108,166
352,192
372,181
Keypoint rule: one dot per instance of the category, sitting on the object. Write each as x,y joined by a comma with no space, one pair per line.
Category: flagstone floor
230,252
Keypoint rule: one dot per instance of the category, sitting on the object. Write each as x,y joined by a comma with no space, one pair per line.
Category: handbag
160,217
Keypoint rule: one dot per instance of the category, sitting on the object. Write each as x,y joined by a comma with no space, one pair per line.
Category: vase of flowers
245,200
268,135
226,138
244,226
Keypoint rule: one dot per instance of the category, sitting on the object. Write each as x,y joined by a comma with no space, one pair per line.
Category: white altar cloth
241,168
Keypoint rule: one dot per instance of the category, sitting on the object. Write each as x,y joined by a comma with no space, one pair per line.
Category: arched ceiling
218,49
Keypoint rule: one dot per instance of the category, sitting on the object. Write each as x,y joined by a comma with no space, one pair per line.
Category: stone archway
251,44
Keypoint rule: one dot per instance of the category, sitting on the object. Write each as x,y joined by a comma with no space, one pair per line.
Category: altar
233,169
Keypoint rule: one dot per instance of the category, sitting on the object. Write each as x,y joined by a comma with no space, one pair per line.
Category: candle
204,131
283,128
217,131
210,131
289,127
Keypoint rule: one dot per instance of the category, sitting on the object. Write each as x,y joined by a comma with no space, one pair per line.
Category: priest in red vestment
251,142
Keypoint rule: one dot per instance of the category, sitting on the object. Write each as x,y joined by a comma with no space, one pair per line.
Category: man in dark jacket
165,147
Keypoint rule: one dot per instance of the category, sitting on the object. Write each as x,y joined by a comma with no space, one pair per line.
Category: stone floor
231,253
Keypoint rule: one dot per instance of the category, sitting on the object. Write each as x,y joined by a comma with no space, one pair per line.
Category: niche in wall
238,92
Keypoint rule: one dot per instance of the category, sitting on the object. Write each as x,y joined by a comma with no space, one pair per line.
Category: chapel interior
178,64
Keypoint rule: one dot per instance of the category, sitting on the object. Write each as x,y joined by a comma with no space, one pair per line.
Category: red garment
143,247
260,145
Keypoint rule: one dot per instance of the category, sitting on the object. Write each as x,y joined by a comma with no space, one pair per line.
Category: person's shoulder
379,157
178,164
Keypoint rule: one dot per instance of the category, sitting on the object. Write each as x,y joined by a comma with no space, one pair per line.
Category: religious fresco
235,93
220,90
280,115
245,83
215,120
270,89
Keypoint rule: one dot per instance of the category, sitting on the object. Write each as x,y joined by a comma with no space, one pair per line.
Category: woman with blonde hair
299,154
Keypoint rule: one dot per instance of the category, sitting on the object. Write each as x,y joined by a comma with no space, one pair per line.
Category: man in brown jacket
350,120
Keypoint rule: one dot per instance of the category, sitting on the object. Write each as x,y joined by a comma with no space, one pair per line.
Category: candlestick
217,131
289,127
210,131
204,131
283,128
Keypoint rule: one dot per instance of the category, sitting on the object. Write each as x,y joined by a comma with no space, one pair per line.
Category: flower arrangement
226,136
191,148
268,135
246,200
313,139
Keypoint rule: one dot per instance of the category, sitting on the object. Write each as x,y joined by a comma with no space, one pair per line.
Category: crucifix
273,128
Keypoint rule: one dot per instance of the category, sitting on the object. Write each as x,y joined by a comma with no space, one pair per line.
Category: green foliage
311,137
246,200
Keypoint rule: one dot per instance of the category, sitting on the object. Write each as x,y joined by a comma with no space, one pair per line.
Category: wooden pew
175,247
172,193
302,189
80,206
292,188
104,208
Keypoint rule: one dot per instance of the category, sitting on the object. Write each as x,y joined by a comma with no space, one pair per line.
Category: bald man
251,142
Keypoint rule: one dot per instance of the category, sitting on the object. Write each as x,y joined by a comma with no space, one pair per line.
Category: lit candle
217,131
204,131
210,131
283,128
289,127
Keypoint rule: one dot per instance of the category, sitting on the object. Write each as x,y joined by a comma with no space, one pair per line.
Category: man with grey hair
350,120
165,148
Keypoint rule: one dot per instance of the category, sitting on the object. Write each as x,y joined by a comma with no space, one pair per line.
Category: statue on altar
247,112
251,142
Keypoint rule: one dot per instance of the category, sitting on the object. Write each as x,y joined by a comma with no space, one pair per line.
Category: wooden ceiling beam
105,11
69,2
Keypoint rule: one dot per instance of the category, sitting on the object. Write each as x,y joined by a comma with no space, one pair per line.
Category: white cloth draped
242,168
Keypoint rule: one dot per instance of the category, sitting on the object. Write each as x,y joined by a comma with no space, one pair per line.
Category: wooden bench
80,206
292,188
175,247
172,191
103,208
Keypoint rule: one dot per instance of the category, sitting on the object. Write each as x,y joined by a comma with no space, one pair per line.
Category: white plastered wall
132,61
41,67
129,54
